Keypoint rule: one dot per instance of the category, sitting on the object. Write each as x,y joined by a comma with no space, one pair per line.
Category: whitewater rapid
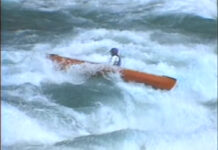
45,108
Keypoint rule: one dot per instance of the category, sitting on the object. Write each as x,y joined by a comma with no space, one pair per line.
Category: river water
47,109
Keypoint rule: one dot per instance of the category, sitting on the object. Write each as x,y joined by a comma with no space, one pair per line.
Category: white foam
177,112
17,127
180,61
203,8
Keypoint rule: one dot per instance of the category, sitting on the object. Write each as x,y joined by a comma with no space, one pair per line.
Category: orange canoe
159,82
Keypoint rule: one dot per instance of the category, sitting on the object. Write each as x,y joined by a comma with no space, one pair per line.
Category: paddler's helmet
114,51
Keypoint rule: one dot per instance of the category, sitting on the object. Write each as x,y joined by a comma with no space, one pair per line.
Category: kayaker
115,58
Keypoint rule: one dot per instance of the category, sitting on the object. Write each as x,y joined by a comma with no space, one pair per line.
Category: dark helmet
114,51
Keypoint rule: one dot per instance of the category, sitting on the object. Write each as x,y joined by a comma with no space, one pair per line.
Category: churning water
46,109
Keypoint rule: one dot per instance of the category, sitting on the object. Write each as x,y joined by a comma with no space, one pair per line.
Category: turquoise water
46,109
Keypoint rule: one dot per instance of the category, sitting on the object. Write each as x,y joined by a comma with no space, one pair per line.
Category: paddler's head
114,51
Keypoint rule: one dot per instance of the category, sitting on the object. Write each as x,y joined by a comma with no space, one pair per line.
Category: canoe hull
159,82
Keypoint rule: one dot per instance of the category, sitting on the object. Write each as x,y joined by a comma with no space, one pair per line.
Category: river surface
44,108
